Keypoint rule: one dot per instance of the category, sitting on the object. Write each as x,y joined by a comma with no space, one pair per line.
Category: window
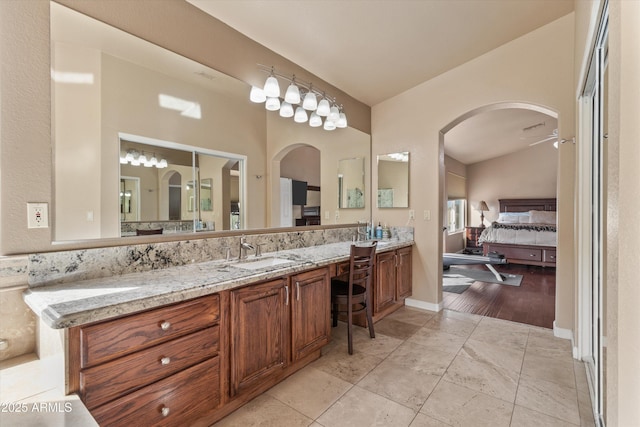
455,211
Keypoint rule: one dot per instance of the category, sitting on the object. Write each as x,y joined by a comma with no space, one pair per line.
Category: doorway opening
495,153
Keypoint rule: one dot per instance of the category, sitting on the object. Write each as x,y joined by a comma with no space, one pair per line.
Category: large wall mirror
112,90
393,180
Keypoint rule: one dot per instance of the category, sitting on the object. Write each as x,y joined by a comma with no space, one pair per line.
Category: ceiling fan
539,139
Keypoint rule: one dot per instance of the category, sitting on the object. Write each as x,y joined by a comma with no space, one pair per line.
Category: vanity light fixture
136,158
299,92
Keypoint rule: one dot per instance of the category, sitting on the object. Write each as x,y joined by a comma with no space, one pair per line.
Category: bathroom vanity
188,345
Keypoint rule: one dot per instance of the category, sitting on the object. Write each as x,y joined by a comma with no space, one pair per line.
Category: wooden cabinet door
385,284
311,311
403,276
259,333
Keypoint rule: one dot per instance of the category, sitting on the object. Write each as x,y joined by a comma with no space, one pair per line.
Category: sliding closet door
593,207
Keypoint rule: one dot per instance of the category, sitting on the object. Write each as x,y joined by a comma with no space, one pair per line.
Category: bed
525,232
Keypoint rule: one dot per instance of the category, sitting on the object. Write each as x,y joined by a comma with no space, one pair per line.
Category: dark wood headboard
525,205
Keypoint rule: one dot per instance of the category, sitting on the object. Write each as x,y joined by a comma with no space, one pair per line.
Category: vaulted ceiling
376,49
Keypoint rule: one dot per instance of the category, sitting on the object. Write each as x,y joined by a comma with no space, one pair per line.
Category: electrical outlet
427,215
89,216
337,214
37,215
327,215
412,214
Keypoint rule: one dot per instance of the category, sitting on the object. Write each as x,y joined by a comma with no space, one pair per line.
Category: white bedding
520,234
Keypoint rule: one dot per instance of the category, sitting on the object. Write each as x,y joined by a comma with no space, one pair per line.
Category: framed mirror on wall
393,180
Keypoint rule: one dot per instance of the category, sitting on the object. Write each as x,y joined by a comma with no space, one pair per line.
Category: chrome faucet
244,246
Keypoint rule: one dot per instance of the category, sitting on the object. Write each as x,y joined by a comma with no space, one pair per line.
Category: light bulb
257,95
286,110
301,115
342,121
293,94
323,108
310,102
271,87
272,104
329,125
315,120
334,114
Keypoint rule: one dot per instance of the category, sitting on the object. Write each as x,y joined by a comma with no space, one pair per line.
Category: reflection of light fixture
297,92
136,158
482,206
401,157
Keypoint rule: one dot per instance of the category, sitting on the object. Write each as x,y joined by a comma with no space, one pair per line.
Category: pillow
513,217
542,217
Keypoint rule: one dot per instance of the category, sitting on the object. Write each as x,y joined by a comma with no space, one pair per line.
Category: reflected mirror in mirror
351,183
393,180
161,180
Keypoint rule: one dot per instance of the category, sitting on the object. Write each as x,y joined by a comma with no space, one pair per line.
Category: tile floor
431,369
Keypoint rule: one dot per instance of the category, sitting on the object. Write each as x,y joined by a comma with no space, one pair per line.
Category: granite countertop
72,304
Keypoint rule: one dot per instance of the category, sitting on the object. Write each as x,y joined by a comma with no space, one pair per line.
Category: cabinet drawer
110,380
549,256
175,401
105,341
522,253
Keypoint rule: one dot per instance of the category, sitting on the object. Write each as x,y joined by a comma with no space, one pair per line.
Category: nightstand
472,234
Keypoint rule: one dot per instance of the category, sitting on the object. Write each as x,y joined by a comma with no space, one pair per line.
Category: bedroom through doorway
501,163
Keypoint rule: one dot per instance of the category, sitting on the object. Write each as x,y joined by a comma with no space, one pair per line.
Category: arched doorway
297,165
497,151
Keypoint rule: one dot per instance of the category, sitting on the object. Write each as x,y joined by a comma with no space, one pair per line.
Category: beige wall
529,173
517,71
302,164
623,292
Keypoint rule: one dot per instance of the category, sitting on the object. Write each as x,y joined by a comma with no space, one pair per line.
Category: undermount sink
258,263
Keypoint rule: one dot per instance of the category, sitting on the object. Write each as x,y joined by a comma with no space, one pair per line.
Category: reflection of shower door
175,200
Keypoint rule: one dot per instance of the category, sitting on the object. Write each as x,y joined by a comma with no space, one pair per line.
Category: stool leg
372,334
349,331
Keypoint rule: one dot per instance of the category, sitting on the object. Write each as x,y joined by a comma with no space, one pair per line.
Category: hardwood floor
533,302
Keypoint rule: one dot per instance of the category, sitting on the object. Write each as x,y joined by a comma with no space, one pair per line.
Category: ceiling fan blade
551,138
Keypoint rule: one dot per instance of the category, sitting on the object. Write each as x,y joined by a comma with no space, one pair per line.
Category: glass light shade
334,114
301,115
286,110
315,120
329,124
293,94
272,104
310,102
342,121
129,156
147,164
123,161
135,162
153,160
162,164
271,87
323,108
142,158
257,95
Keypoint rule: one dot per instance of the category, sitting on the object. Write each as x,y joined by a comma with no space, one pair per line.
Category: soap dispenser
379,231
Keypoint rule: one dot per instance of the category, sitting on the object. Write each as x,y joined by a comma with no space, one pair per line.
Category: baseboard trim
423,305
566,334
